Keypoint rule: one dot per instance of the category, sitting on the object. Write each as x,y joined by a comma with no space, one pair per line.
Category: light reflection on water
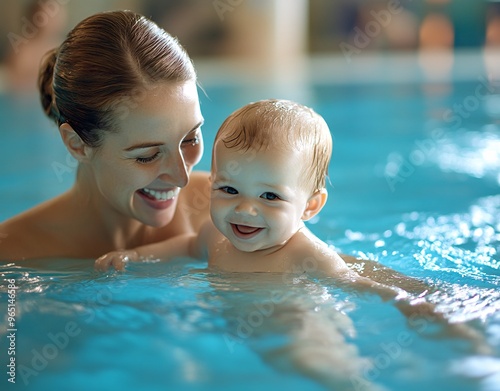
475,153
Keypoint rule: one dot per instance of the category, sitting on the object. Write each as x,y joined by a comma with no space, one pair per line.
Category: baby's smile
245,231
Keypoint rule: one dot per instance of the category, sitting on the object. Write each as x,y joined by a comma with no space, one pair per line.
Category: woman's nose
174,170
246,207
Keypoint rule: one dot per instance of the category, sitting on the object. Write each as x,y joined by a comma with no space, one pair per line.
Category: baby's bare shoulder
312,254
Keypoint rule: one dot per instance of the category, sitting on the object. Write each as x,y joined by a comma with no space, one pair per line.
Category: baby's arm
187,245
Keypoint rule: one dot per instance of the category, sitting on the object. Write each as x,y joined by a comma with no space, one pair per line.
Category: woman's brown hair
104,67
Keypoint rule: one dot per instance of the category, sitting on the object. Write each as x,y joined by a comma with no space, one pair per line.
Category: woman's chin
160,219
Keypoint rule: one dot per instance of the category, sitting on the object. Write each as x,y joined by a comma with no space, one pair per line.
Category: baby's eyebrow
220,176
267,185
274,186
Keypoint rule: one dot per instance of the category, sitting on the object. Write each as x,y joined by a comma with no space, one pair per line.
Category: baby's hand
116,259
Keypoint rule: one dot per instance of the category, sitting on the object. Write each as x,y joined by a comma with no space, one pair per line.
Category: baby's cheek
216,209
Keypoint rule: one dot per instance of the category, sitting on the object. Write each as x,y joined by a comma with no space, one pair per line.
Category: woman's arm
412,303
175,247
385,275
187,245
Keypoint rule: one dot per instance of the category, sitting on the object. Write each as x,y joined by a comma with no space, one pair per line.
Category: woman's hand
116,259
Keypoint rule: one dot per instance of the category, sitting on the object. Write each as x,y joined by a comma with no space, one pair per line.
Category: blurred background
276,35
385,74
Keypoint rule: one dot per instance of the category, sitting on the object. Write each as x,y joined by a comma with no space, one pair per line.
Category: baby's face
258,197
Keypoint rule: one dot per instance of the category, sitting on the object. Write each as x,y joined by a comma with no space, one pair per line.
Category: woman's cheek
141,176
194,154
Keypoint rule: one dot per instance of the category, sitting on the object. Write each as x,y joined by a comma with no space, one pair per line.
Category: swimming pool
415,181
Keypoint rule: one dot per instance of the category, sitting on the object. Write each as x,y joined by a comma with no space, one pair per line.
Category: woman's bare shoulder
18,235
27,235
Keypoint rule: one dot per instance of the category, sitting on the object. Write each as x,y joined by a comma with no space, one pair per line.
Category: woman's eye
269,196
229,190
149,159
193,141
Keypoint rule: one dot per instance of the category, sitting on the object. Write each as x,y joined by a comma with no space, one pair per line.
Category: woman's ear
315,204
75,145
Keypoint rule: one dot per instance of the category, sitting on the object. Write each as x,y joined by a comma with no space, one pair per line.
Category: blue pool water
415,181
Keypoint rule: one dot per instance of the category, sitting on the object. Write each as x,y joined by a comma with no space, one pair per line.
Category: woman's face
140,169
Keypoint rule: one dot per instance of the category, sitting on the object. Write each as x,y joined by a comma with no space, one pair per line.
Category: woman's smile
158,199
160,195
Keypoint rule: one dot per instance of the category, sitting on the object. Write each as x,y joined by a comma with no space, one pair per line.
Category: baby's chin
255,247
246,247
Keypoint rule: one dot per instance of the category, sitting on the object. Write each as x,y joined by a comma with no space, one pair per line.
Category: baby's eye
269,196
149,159
229,190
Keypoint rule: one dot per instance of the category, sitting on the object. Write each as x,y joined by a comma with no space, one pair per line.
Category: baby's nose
246,207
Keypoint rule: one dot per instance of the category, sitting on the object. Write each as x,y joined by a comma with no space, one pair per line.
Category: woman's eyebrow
199,124
157,144
143,145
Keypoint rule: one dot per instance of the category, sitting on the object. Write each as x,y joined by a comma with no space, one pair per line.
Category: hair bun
45,80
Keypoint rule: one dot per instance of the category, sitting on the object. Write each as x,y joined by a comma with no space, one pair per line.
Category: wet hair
282,124
107,63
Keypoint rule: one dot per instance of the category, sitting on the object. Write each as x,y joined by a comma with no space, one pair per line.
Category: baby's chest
228,258
224,256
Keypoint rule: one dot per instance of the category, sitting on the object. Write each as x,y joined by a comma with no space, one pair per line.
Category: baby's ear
315,204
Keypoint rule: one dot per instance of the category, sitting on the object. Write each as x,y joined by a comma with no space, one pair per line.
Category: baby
269,166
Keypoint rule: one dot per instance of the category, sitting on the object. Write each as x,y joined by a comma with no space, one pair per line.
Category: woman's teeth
161,195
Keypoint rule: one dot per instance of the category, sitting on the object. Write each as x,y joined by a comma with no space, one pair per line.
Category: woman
123,94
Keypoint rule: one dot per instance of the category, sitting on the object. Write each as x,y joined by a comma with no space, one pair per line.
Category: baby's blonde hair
285,124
